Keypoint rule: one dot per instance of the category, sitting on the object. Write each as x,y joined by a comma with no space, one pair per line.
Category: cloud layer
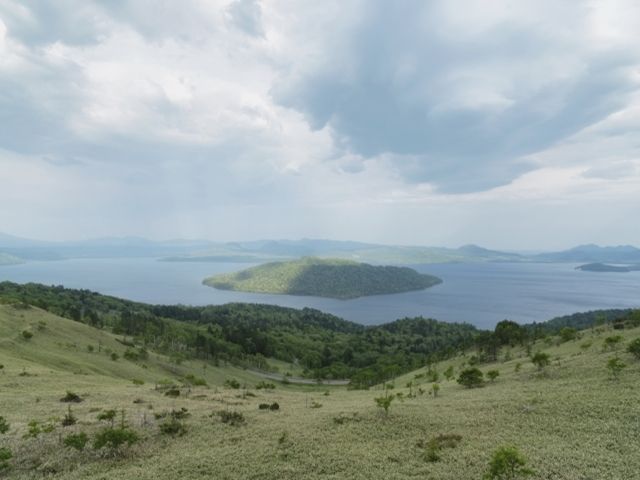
406,122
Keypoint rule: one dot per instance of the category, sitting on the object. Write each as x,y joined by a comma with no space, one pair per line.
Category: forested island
332,278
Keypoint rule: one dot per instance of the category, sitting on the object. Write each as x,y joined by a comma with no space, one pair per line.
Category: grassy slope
323,277
572,423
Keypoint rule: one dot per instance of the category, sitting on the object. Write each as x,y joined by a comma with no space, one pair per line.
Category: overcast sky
511,124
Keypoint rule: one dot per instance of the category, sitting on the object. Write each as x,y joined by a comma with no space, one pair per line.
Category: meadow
570,420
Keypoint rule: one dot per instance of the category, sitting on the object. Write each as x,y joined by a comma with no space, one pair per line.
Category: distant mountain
603,267
333,278
593,254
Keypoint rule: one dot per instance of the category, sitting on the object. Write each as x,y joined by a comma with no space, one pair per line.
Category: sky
513,124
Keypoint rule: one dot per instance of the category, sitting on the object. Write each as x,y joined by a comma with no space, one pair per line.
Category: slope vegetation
571,419
332,278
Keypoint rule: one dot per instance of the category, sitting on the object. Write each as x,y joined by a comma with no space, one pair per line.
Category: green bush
114,438
107,416
541,360
5,456
138,381
384,402
69,419
232,383
438,443
27,335
71,397
471,377
76,440
172,426
615,366
265,385
172,392
612,342
507,463
4,425
634,348
493,374
196,381
231,417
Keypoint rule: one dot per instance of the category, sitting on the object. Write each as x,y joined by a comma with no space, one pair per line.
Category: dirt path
296,380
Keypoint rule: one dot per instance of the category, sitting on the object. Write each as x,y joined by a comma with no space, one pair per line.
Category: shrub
172,426
315,404
263,406
172,392
384,402
517,367
265,385
435,388
615,366
71,397
90,348
114,356
232,418
274,406
541,360
137,381
493,374
232,383
176,414
438,443
449,373
471,377
27,335
612,342
69,419
76,440
197,381
4,425
507,463
108,416
634,348
567,334
114,438
5,456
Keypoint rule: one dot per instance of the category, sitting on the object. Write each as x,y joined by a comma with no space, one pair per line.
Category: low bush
507,463
5,457
4,425
76,441
232,383
71,397
172,426
69,419
114,438
471,377
265,385
231,417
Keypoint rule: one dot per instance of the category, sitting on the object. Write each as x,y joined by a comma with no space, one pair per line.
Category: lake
478,293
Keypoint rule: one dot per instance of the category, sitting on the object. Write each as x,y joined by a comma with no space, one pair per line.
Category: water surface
478,293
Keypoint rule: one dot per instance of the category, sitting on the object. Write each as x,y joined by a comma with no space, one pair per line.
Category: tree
384,402
508,332
493,374
615,366
435,388
541,360
567,334
634,348
471,377
507,463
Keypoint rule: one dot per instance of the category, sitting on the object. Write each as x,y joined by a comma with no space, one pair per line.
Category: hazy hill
6,259
593,254
323,278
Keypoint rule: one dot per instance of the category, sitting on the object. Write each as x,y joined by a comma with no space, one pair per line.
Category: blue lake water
478,293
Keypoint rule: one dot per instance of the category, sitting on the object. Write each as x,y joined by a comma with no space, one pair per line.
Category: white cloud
410,123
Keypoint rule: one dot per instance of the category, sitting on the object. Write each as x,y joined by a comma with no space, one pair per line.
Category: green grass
332,278
571,421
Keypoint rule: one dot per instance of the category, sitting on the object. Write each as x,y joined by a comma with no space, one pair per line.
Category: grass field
571,420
